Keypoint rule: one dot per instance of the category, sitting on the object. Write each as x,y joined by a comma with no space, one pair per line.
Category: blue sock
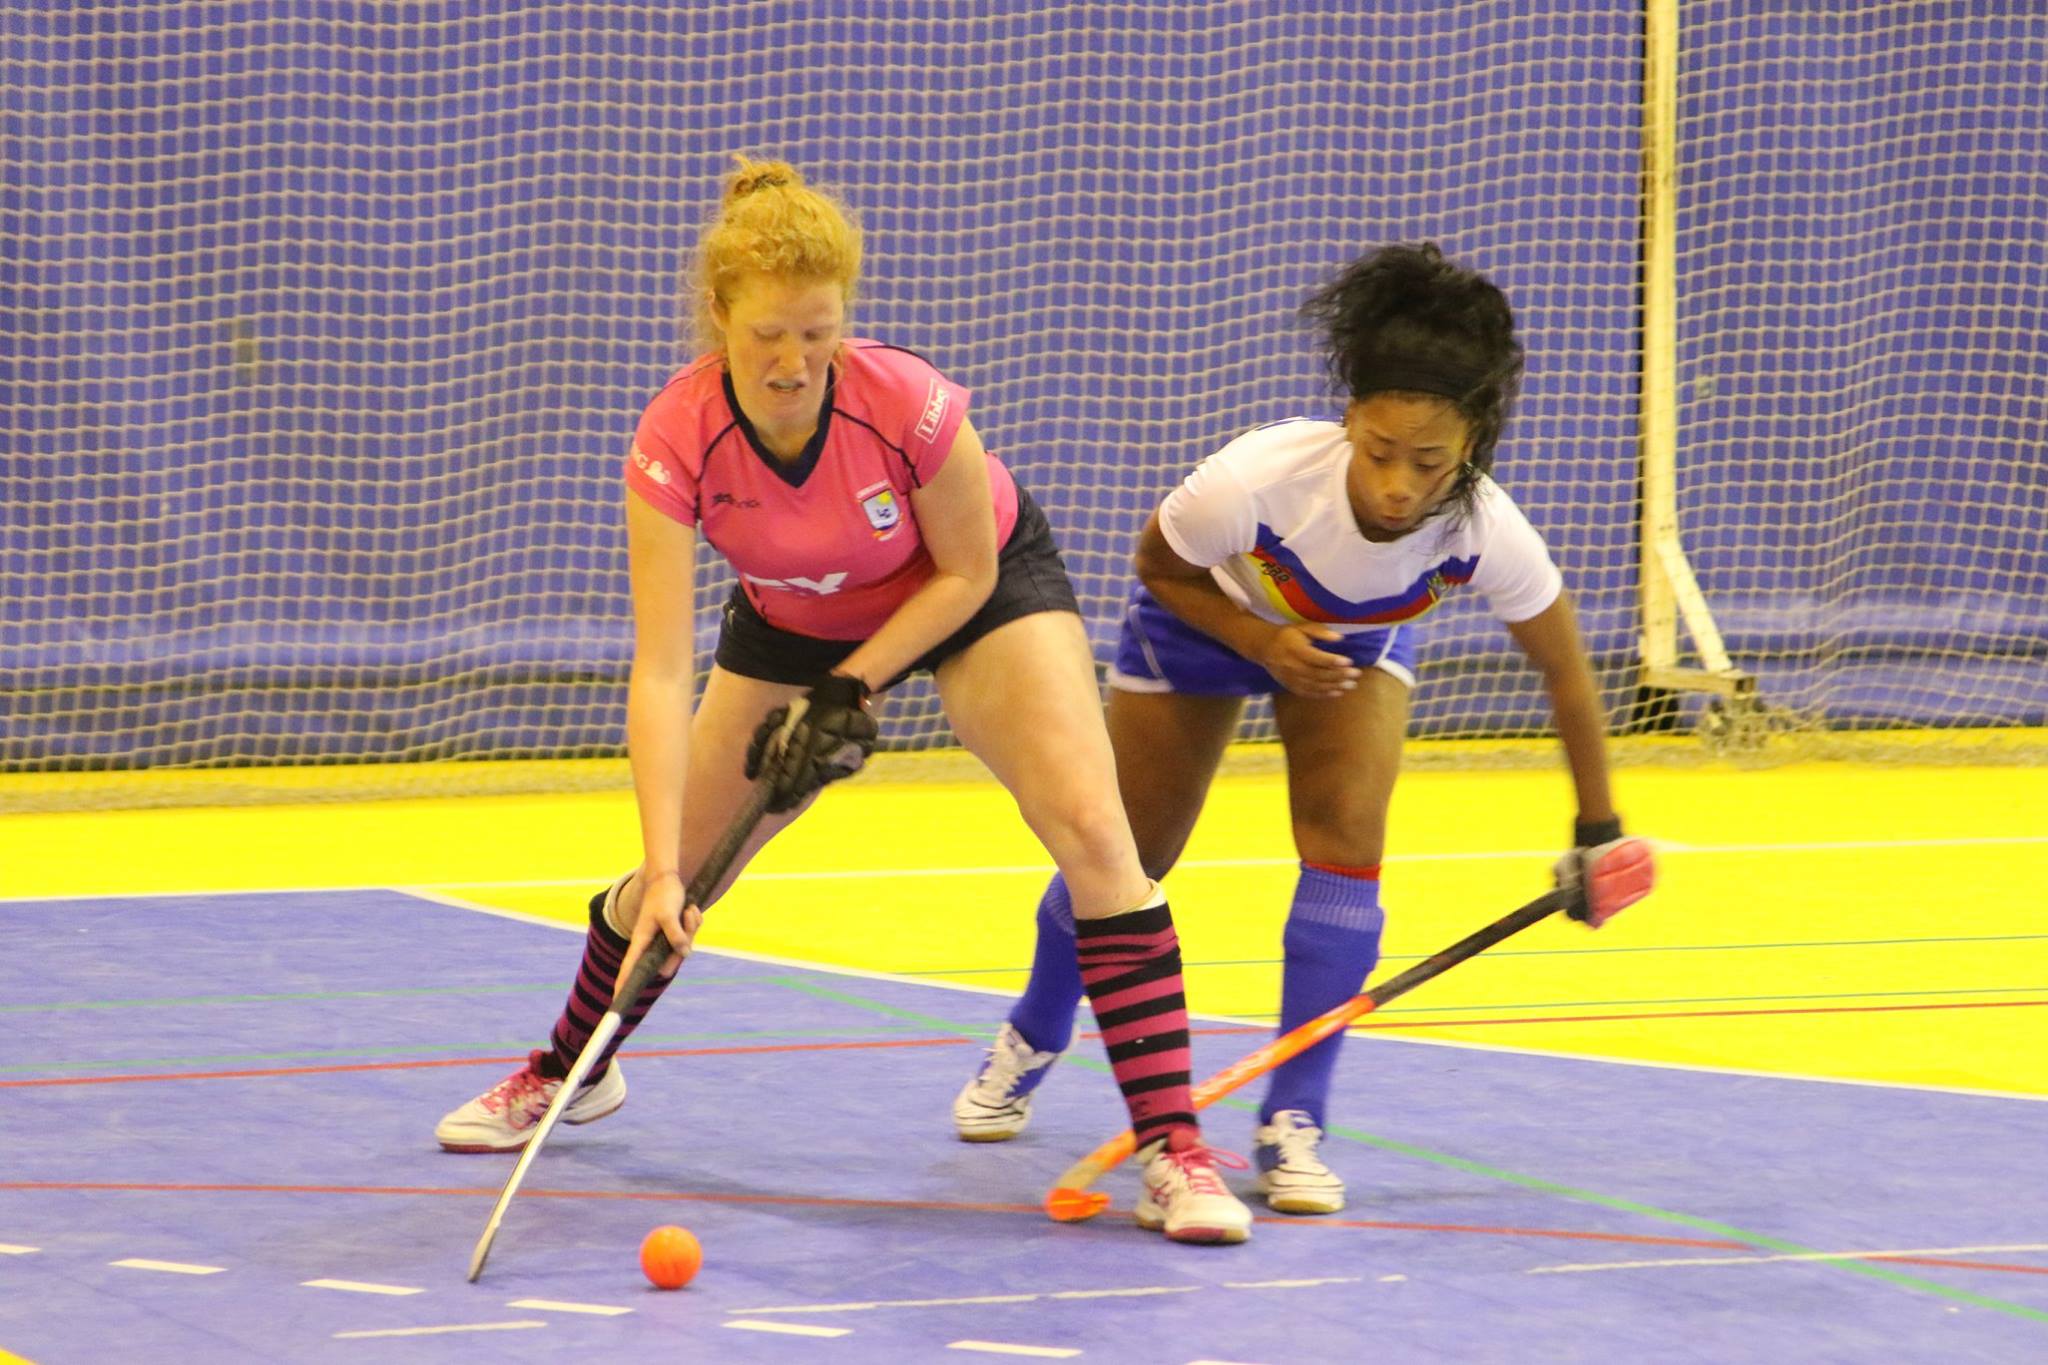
1332,943
1044,1014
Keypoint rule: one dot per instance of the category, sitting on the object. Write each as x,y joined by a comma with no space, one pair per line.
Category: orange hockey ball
670,1257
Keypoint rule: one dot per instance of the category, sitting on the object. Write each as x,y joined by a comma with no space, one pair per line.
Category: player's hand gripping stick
1608,872
652,959
824,736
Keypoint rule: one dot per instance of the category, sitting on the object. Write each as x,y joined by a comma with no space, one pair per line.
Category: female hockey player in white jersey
1293,563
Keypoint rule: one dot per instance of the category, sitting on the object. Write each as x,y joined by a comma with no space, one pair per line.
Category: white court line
1000,1348
1140,1291
793,1329
425,889
10,1249
556,1306
1753,1072
863,1307
457,903
437,1331
1376,1036
1483,855
996,992
169,1267
359,1287
1788,1256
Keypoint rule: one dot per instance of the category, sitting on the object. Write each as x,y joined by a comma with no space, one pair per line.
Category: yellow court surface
1871,923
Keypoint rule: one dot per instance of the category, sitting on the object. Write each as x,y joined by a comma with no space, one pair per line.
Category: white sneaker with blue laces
1292,1175
996,1104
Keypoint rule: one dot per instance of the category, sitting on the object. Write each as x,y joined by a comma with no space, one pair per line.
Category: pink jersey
827,545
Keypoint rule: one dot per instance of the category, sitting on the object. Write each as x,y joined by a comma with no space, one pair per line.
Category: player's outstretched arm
1608,870
661,559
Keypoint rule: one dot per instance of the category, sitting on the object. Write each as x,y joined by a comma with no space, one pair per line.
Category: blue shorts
1159,652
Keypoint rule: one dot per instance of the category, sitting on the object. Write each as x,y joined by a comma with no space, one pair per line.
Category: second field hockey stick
1071,1200
709,874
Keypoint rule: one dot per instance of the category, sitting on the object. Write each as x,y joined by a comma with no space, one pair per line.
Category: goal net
1862,452
323,329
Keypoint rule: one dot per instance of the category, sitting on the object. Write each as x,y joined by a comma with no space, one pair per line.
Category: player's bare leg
1166,748
502,1118
1023,698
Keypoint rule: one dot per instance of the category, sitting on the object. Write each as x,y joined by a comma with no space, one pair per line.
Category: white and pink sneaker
503,1117
1185,1198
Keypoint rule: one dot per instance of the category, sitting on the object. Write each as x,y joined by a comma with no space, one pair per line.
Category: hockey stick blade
652,959
1071,1200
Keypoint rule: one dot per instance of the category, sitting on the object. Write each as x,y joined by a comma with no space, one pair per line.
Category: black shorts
1030,578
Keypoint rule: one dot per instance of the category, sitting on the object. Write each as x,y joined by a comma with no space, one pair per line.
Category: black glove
830,740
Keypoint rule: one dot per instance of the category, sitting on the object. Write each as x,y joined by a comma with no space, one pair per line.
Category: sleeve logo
654,469
934,411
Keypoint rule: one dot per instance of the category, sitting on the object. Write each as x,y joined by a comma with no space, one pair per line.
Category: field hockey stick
1071,1200
656,953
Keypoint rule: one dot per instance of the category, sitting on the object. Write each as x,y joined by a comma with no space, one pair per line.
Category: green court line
1680,1000
923,1021
1869,1269
173,1001
1760,1240
483,1049
1570,952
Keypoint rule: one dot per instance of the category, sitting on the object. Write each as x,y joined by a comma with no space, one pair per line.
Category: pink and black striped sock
604,948
1130,964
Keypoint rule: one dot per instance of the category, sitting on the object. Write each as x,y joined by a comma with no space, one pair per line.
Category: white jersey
1270,518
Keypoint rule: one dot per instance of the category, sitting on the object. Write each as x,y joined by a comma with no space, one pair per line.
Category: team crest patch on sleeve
884,513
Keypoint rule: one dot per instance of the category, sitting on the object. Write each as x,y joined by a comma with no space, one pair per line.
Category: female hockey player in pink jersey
873,536
1291,563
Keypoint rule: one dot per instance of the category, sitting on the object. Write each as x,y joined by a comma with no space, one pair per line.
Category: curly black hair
1402,319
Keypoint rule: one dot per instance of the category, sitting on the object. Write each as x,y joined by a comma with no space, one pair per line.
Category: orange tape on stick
1071,1200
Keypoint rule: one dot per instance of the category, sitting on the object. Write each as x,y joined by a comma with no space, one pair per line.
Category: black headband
1410,374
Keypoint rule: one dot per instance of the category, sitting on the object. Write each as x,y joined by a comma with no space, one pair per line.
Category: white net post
1669,590
1860,267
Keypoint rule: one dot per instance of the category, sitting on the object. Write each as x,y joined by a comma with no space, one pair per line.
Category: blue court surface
217,1117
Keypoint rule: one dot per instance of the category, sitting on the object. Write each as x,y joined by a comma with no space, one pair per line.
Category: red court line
473,1061
963,1039
1641,1239
934,1205
822,1202
1961,1265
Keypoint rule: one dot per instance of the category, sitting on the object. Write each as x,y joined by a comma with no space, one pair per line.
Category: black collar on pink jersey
792,472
